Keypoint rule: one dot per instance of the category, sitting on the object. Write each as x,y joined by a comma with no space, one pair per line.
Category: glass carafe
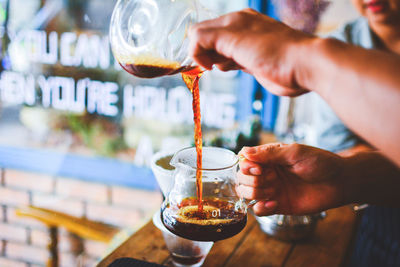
224,213
149,38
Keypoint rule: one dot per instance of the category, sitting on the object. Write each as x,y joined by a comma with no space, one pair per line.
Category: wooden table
252,248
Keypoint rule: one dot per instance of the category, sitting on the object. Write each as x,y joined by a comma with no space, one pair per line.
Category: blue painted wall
91,169
250,90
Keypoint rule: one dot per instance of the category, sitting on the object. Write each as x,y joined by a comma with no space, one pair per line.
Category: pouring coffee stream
220,214
192,78
148,43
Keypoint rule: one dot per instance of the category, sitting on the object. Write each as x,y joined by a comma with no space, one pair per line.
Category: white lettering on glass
67,39
49,49
62,92
102,98
17,89
45,88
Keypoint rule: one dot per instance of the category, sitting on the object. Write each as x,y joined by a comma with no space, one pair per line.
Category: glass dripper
149,38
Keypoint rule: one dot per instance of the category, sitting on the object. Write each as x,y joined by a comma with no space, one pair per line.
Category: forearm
362,86
368,177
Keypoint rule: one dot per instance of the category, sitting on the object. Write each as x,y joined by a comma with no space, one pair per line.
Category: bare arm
362,86
376,180
371,178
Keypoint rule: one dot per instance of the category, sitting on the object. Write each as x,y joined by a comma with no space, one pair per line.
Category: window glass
77,132
62,90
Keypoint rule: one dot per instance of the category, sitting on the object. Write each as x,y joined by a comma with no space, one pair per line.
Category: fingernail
249,150
270,205
255,171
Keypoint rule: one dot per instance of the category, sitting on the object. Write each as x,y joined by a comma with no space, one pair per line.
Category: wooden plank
147,244
82,227
223,250
254,248
259,249
330,243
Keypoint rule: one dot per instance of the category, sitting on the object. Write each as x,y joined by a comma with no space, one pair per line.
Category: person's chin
380,17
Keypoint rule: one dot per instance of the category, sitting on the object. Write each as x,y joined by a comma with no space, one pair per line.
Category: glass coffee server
222,213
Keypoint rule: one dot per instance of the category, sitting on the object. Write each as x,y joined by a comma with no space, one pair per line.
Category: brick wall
23,242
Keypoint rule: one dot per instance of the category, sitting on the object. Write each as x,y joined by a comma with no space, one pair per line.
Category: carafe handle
252,203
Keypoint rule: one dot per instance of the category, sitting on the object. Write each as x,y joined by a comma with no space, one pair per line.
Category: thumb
269,153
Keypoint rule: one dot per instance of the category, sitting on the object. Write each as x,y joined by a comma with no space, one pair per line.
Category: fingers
265,208
202,46
256,193
270,153
281,87
250,11
264,180
212,42
256,175
253,181
250,168
228,65
202,43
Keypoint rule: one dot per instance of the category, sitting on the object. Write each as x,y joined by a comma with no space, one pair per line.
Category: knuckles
259,194
269,148
226,66
252,181
195,32
259,181
255,193
239,17
296,152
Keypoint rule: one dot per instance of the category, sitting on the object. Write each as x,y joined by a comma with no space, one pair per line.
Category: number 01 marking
216,213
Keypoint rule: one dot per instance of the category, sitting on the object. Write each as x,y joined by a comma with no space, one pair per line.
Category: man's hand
291,179
290,63
253,42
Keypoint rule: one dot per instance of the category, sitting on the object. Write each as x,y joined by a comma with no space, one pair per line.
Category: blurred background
77,133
